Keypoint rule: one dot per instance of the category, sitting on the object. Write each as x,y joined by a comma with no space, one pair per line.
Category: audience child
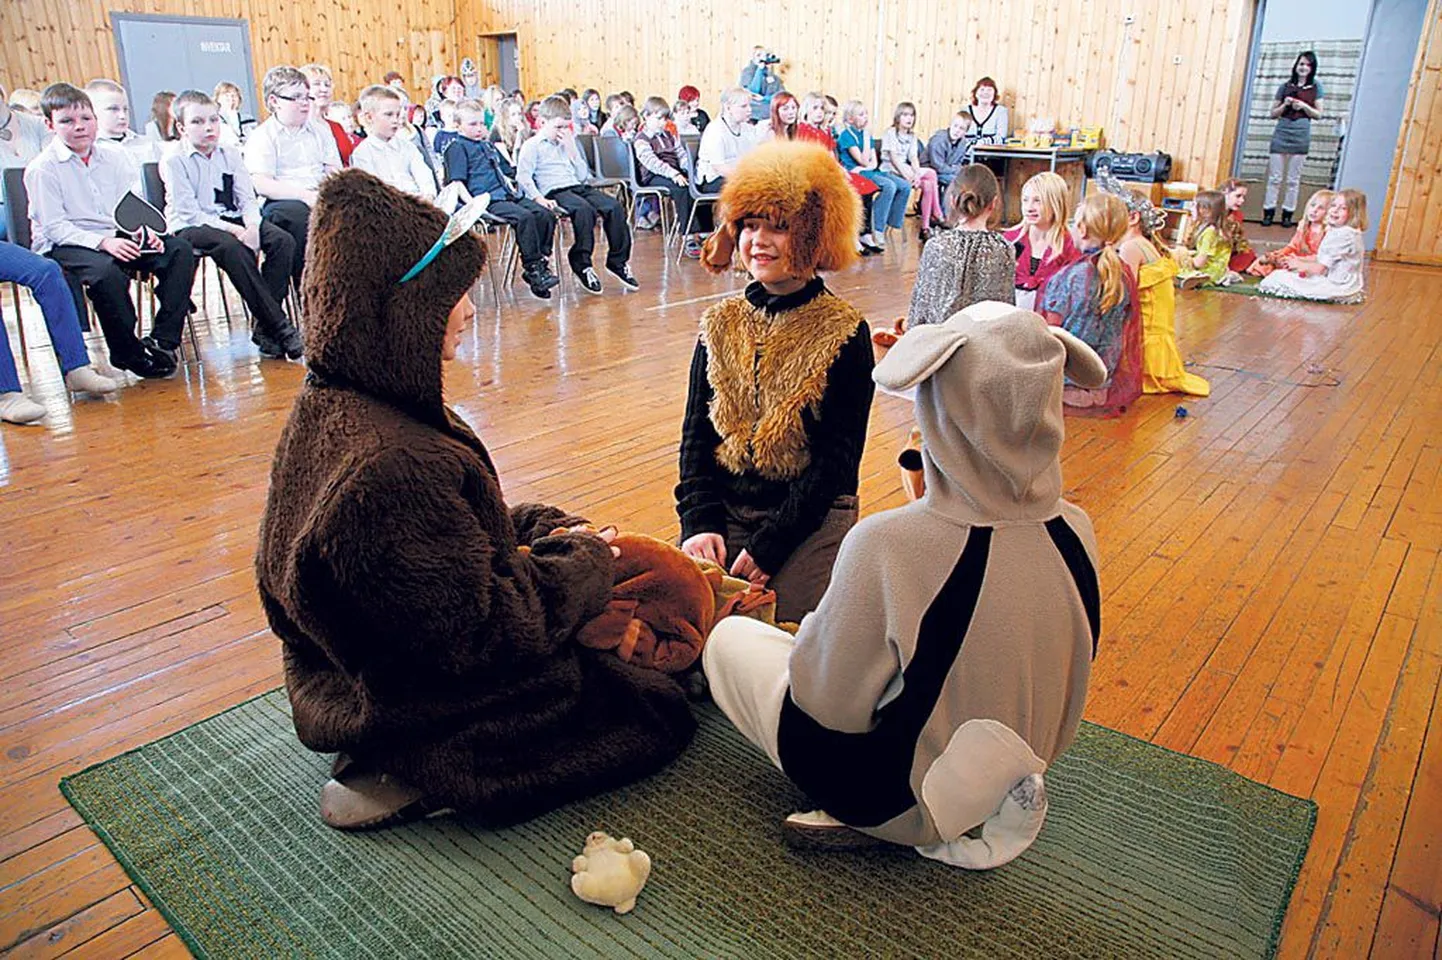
772,438
1208,246
856,152
692,96
1094,299
1336,274
990,122
321,87
74,186
385,152
25,100
581,119
724,142
594,114
627,97
1305,242
829,118
160,129
553,173
663,161
1154,270
969,263
923,700
47,284
533,115
237,125
112,121
211,204
947,150
1041,241
471,78
814,128
684,118
413,129
22,137
343,113
447,88
491,99
288,155
781,124
901,157
1234,193
509,132
473,160
449,130
623,123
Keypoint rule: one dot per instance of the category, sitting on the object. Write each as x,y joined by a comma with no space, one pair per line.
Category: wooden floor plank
1270,569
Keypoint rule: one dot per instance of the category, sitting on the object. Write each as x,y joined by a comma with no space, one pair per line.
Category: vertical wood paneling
361,40
1073,60
1411,224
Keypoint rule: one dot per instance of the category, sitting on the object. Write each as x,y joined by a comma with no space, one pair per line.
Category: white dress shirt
193,180
73,202
301,156
398,162
721,145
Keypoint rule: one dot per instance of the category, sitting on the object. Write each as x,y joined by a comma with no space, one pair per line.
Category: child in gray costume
947,664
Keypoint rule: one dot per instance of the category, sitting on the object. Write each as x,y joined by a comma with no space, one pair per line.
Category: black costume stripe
1069,545
864,779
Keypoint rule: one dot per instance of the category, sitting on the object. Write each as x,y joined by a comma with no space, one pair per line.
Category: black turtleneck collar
773,303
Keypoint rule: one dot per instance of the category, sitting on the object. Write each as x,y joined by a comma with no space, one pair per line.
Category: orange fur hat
796,185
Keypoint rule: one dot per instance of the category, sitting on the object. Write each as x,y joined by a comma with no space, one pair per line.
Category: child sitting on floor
1234,193
772,438
1208,247
1336,273
1041,240
1094,299
948,663
1305,242
969,263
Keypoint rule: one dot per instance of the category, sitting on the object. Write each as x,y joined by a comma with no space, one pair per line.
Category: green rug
1146,853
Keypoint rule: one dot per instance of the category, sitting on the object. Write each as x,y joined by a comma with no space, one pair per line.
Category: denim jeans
47,282
889,206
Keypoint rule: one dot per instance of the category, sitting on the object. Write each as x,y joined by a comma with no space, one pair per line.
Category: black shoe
1286,218
540,279
167,354
268,348
548,279
290,341
538,288
145,364
589,280
624,274
1268,215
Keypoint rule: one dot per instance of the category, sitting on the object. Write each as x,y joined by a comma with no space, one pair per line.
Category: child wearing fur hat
947,665
780,386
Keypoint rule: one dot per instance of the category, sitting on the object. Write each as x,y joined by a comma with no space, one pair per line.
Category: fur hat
800,186
361,324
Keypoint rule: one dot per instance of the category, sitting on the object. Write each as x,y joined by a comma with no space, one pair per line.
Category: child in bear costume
947,664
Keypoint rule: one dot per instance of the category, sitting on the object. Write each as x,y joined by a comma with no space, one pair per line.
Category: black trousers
681,197
535,227
292,216
107,281
584,204
258,286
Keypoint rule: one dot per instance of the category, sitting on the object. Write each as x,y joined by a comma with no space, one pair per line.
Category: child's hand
706,546
250,236
121,249
746,568
680,179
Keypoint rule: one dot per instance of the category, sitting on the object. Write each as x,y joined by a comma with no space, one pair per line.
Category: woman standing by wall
1297,104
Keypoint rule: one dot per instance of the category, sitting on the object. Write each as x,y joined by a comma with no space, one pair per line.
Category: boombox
1138,167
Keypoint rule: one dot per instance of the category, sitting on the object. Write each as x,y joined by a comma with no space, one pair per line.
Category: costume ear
718,248
917,355
1083,366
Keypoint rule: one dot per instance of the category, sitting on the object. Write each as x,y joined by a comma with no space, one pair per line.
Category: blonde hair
317,71
225,86
809,102
101,83
971,193
1356,208
1324,197
1056,202
1104,218
1211,211
375,92
851,108
734,95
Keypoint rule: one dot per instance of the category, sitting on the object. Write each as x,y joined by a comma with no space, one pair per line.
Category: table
1020,163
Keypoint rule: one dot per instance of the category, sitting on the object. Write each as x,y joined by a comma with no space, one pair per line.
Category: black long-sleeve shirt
835,438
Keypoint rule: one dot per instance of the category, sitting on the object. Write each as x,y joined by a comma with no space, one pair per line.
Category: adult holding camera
759,79
1297,104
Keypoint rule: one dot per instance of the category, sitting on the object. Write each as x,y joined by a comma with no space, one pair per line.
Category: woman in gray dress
1297,104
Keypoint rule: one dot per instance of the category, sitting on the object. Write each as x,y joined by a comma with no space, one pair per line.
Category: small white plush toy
610,872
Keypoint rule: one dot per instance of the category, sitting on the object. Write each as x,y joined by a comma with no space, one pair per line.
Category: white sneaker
87,380
18,408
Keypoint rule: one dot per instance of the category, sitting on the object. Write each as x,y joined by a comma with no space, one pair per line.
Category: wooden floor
1273,599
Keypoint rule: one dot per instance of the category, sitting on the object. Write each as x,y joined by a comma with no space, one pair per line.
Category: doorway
500,60
181,53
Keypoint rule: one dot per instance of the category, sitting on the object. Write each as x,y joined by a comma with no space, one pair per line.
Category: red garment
1027,279
344,142
809,134
1125,383
1246,256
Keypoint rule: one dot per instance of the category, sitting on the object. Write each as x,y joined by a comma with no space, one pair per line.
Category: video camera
770,58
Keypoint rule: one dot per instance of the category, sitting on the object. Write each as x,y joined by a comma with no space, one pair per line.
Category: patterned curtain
1337,63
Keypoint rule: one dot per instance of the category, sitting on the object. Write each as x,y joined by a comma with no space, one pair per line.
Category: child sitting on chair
780,388
947,665
387,154
1336,273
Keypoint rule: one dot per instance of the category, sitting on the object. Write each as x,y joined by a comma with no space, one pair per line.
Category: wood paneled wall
1411,225
1076,62
42,41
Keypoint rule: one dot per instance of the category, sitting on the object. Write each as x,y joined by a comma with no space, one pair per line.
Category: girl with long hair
1209,244
901,155
1041,241
1298,102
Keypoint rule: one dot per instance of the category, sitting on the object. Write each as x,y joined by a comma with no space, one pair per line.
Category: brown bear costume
420,639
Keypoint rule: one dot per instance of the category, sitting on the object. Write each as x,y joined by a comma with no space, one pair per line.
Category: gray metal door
509,55
181,53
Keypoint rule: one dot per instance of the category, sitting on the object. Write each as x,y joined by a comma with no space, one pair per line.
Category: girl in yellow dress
1154,268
